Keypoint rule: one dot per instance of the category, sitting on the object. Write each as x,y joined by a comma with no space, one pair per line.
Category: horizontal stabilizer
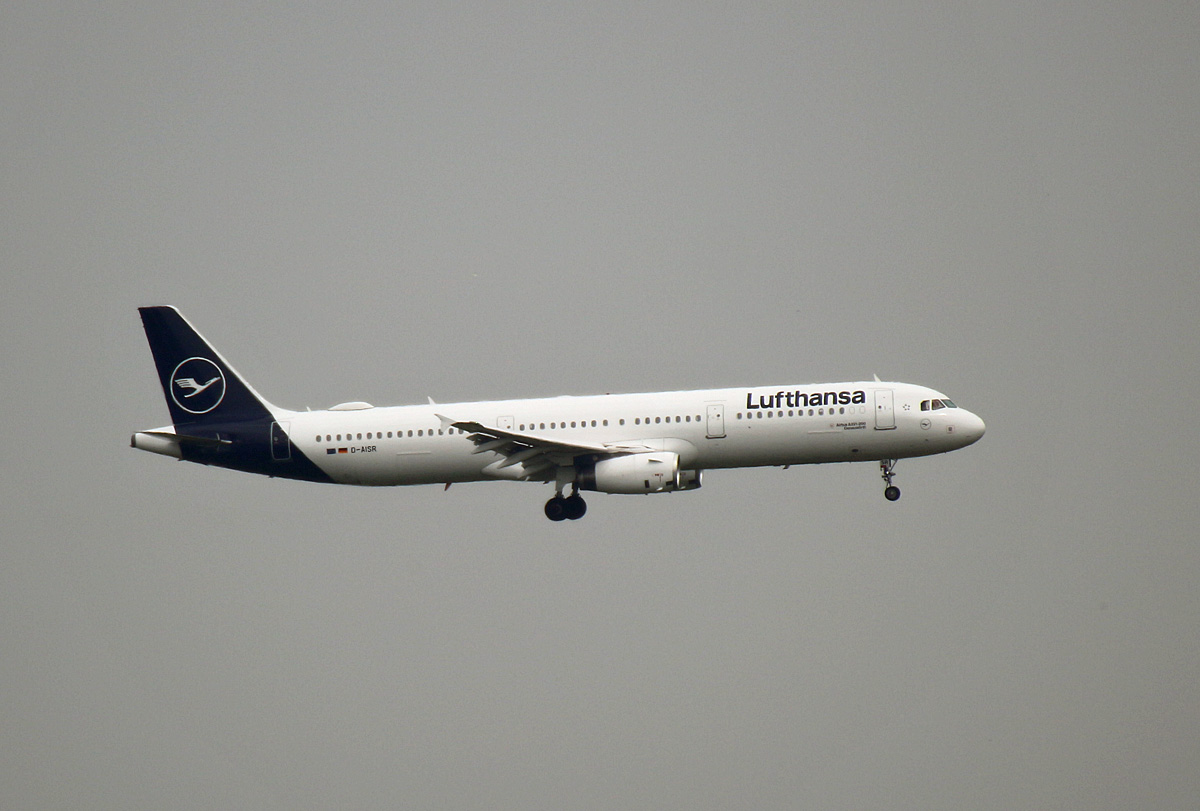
169,443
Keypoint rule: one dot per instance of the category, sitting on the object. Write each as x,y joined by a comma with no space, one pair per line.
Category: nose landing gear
887,468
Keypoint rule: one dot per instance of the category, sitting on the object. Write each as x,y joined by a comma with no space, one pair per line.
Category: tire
892,493
575,506
556,509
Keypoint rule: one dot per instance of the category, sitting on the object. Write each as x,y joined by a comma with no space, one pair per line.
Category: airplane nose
972,427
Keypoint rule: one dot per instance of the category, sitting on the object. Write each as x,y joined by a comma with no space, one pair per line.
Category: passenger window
318,437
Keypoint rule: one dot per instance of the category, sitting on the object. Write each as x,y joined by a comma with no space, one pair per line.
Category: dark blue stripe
246,446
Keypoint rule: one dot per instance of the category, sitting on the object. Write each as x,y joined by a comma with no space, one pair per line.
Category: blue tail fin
200,386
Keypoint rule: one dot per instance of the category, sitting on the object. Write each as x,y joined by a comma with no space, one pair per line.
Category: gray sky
388,202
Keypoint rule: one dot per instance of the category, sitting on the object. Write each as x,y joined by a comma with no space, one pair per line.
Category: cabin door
885,413
716,421
281,448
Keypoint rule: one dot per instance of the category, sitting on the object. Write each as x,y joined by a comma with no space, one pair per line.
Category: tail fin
200,385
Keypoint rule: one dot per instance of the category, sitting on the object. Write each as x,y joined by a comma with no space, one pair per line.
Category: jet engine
638,473
633,473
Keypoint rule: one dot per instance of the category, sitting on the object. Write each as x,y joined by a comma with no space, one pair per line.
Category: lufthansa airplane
659,442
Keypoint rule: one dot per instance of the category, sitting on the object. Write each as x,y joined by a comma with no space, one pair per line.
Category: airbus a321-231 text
657,442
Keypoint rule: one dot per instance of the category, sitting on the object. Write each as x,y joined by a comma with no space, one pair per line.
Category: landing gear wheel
576,507
556,508
887,469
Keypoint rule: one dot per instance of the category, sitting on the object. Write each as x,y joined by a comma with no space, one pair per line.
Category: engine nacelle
632,474
688,480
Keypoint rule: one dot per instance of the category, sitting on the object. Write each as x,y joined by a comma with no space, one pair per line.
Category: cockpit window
927,405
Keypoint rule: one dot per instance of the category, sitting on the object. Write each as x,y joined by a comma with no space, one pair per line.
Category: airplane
656,442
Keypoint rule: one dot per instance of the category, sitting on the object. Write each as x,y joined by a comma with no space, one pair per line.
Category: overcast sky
389,201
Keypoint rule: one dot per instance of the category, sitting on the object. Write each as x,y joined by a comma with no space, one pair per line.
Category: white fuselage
707,429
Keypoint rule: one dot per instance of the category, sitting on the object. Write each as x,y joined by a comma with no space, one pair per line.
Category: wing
531,457
188,382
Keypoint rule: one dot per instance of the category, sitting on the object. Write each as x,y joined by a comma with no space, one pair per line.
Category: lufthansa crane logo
197,385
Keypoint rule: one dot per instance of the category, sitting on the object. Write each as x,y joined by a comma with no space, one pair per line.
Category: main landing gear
887,469
570,508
